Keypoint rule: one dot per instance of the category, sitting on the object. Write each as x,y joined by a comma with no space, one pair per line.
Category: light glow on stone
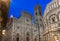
59,3
57,40
3,32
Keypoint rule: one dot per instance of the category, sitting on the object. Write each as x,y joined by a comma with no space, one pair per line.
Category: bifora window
36,20
53,18
27,20
36,13
40,19
39,13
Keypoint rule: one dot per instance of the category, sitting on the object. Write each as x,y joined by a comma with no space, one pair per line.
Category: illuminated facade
20,29
51,20
23,29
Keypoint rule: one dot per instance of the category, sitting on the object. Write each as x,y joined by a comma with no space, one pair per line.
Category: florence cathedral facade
23,28
37,27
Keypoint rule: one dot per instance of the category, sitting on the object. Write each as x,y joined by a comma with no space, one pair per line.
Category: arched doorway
35,39
27,36
17,37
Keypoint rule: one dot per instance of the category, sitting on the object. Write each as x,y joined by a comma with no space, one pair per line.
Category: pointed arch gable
53,18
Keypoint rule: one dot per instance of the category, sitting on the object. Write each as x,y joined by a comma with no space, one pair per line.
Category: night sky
16,6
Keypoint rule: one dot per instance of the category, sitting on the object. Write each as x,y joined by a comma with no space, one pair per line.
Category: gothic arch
53,18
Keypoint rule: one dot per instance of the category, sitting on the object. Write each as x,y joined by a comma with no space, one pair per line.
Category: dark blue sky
16,6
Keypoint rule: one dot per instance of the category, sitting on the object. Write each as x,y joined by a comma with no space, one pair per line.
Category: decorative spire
11,16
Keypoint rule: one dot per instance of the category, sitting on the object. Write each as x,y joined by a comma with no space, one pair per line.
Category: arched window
17,38
50,7
53,18
54,4
40,13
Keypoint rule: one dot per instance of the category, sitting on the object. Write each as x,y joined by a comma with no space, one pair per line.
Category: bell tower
38,20
37,13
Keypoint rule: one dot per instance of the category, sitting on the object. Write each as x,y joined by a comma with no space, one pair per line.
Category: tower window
41,25
36,13
36,20
40,19
27,20
39,13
